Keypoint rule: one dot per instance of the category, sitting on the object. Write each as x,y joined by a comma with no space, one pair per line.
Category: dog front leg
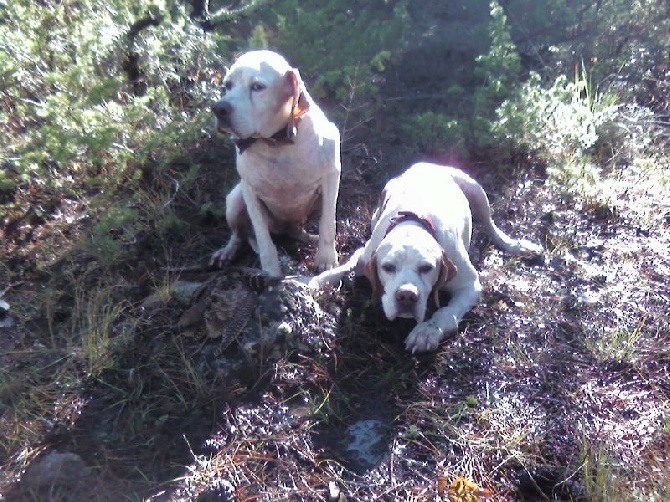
236,215
326,255
427,335
334,275
267,251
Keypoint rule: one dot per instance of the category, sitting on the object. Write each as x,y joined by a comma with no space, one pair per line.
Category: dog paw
221,257
314,284
325,259
425,336
227,253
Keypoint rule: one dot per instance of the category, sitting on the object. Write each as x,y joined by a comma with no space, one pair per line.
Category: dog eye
257,86
228,85
388,267
424,269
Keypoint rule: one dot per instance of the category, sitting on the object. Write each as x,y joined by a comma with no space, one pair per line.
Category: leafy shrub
498,71
95,92
434,133
71,108
111,238
562,124
339,41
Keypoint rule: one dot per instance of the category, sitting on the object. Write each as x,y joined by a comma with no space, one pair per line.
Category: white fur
280,183
445,195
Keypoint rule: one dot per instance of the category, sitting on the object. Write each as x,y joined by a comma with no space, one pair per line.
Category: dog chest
287,188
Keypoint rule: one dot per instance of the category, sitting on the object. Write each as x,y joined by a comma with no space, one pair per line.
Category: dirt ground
558,380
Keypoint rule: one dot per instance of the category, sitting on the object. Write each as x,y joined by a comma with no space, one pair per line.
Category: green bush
96,95
341,43
74,109
562,125
431,132
111,238
498,73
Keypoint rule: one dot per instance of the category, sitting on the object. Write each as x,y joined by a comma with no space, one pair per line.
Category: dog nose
222,109
407,295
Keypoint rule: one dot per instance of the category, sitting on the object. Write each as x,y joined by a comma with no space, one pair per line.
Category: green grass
618,344
608,479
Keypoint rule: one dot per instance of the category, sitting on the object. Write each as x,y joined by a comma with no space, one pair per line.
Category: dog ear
447,272
370,272
296,88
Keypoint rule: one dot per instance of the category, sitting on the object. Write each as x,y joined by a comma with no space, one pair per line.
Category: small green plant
598,475
171,228
463,410
111,238
434,132
562,125
212,209
609,478
329,406
412,433
6,183
499,72
618,344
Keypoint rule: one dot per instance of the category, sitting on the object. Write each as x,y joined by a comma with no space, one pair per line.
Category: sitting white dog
420,239
288,158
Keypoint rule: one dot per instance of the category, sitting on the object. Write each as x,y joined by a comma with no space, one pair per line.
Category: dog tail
480,207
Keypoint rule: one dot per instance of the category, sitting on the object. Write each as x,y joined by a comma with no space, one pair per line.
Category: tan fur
447,272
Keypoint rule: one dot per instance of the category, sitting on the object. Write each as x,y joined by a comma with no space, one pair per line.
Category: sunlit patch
462,490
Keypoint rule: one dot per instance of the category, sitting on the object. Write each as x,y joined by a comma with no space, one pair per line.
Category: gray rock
61,470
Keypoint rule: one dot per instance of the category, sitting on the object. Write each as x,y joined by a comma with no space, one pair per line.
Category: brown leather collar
283,136
403,216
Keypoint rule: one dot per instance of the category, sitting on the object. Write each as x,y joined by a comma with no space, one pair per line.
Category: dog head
407,268
261,95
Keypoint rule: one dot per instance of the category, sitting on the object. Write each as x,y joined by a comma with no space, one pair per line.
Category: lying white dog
288,158
420,238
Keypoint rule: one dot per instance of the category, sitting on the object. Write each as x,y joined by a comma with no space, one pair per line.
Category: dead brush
356,110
